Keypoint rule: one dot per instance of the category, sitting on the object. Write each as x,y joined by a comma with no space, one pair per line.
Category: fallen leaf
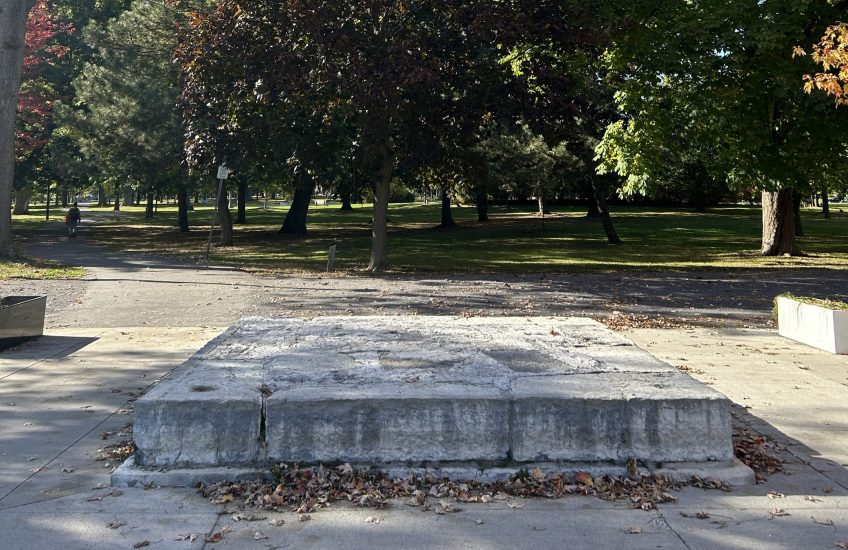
305,517
775,494
778,512
259,536
372,519
115,524
215,537
842,544
141,544
277,522
582,478
822,521
633,530
479,521
513,504
810,498
538,474
246,517
191,537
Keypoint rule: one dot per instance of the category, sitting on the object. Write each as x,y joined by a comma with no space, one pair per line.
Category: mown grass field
513,241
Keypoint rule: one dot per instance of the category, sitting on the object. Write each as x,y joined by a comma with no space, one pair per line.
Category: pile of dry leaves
303,490
754,450
619,321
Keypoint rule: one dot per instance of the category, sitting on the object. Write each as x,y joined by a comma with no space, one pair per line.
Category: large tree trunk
128,196
13,15
825,204
603,211
117,200
22,200
224,214
482,199
241,215
148,210
796,211
447,217
779,223
543,206
346,205
380,223
295,222
101,197
183,201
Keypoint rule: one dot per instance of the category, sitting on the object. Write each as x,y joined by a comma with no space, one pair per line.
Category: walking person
72,219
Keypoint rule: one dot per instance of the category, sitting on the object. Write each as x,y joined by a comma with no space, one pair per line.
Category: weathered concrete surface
425,390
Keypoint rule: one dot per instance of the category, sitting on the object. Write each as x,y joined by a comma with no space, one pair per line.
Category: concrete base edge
733,473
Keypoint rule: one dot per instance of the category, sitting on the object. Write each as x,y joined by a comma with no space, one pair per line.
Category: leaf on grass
822,521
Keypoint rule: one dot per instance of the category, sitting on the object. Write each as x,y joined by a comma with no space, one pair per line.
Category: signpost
223,174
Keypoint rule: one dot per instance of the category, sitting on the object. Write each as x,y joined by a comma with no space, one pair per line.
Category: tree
720,75
323,81
125,118
831,53
13,16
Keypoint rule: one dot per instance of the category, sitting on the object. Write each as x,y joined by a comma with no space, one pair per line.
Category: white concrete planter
813,325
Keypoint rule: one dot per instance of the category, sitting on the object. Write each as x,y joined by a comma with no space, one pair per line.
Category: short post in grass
331,257
223,174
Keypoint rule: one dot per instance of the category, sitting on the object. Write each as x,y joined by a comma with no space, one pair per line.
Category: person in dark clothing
74,218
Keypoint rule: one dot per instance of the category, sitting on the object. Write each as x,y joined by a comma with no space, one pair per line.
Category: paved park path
66,396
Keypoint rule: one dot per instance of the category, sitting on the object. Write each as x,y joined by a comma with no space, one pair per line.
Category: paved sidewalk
59,395
65,396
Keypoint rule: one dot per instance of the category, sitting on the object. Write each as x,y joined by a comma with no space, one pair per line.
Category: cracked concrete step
427,389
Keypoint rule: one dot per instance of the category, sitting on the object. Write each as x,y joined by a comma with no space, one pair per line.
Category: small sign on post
331,257
223,172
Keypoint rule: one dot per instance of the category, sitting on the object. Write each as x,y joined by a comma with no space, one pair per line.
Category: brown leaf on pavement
215,537
822,521
259,536
633,530
778,512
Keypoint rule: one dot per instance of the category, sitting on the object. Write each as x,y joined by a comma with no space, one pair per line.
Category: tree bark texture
22,197
603,211
117,200
825,204
183,202
482,199
241,215
295,222
797,198
224,215
13,15
148,210
447,217
779,223
380,222
346,204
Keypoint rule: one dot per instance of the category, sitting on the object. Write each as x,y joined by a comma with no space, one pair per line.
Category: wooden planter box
813,325
21,318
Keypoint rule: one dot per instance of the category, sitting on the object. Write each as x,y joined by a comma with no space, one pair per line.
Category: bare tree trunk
241,214
796,212
346,204
825,204
183,202
148,210
224,215
779,223
128,196
447,217
482,203
295,222
543,206
22,200
603,211
380,223
117,200
13,15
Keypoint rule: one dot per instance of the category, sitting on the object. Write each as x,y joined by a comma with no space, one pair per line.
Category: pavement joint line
806,460
43,359
86,434
672,529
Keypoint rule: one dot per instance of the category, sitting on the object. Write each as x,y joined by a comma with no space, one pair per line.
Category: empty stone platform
424,391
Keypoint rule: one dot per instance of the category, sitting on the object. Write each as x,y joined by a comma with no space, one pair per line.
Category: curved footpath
66,396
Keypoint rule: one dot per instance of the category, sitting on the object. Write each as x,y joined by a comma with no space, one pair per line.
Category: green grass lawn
513,241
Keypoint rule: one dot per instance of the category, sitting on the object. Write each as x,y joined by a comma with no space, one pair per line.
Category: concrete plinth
424,391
